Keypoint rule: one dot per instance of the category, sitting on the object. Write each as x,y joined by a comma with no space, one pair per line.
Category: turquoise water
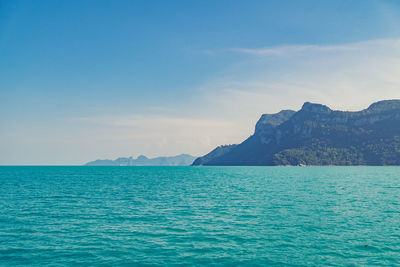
266,216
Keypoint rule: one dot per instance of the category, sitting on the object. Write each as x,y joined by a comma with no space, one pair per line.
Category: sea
199,216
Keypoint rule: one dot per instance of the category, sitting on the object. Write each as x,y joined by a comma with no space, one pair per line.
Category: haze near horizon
83,80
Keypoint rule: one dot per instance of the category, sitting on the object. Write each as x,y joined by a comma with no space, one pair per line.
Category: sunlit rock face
266,126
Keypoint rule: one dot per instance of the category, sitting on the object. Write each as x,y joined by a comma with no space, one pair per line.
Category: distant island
317,135
180,160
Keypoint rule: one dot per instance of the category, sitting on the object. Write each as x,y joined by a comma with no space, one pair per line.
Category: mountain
317,135
180,160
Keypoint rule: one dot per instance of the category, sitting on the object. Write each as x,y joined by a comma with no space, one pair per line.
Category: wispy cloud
146,121
290,49
306,48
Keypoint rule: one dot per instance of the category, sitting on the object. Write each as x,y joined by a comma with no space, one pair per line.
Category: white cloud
301,49
290,49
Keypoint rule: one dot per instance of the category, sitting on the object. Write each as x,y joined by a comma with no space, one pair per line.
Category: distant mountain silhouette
317,135
180,160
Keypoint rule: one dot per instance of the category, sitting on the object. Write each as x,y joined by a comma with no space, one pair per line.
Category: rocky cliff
317,135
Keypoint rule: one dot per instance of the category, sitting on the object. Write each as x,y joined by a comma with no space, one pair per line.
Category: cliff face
268,122
317,135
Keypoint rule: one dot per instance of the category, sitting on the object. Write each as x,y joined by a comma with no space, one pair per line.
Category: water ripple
231,216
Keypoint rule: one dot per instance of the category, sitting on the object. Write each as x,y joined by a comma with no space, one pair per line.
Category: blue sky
81,80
